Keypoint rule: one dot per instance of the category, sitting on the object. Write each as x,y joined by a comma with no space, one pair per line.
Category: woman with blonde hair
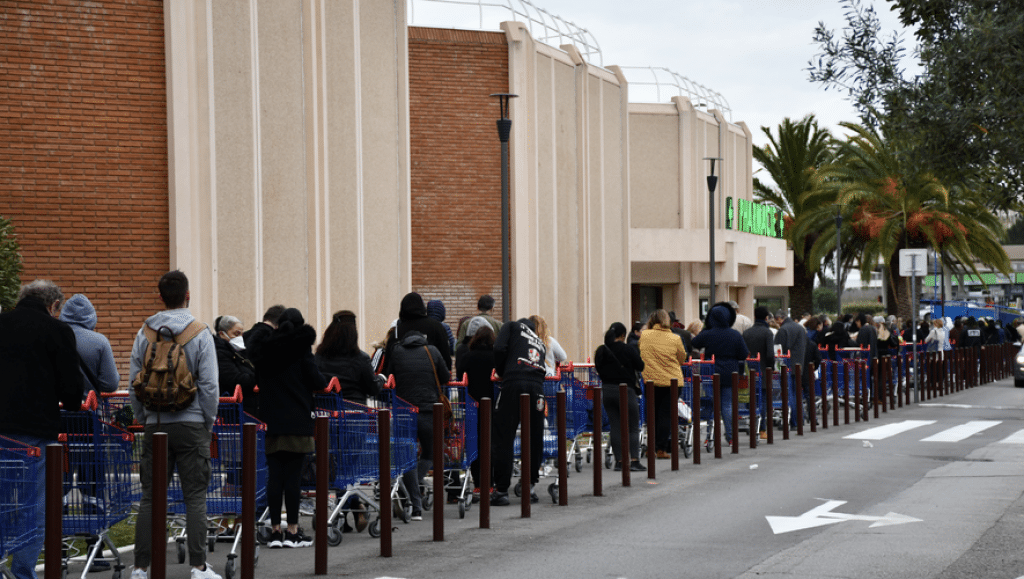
556,355
663,355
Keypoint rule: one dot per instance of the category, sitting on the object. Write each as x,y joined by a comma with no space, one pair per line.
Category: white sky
754,53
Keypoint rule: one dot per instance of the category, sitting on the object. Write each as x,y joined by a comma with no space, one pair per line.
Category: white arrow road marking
1015,438
958,433
822,515
880,432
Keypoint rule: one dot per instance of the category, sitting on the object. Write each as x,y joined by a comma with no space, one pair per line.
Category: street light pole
712,183
839,273
504,131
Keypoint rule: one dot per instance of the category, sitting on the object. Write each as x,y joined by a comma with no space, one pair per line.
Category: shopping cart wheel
116,574
374,529
518,490
229,568
181,551
579,464
553,491
427,498
462,510
609,460
334,534
590,454
64,572
211,543
263,534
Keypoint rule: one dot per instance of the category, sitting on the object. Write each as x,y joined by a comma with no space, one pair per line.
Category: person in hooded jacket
288,378
420,374
235,368
436,310
727,346
338,356
93,347
760,342
618,363
477,364
412,316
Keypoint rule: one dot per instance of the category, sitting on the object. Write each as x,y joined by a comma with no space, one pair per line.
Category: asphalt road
896,506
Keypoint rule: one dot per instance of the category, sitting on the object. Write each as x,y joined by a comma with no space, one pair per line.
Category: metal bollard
384,476
485,463
439,498
673,418
651,430
623,427
563,460
798,382
158,530
54,507
718,415
526,453
696,436
248,530
784,391
735,413
596,437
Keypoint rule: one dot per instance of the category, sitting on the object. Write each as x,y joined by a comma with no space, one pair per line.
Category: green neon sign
750,217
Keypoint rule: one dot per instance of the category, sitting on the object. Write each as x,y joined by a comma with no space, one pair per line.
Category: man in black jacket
40,367
412,316
519,362
761,342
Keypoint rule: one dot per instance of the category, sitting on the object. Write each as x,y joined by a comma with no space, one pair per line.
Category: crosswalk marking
1015,438
958,433
882,432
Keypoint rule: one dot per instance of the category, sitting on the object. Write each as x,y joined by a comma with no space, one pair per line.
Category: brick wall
83,152
456,165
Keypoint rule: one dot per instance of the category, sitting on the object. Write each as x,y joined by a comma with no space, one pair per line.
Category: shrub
872,308
10,265
825,299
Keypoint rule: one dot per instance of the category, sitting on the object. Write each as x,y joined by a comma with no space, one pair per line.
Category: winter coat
236,370
287,376
617,363
40,370
477,364
663,355
867,337
354,373
412,317
436,310
414,364
519,353
793,339
93,347
761,341
718,339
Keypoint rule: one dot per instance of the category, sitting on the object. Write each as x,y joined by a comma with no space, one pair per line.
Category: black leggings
284,471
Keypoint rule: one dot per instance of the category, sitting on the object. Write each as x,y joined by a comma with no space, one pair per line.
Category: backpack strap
191,331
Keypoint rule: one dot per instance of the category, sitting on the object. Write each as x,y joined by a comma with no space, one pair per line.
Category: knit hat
475,324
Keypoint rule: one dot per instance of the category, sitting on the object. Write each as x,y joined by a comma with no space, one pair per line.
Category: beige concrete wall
288,132
569,191
669,235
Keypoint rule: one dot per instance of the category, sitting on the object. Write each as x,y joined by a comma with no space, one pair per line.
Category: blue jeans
23,561
727,410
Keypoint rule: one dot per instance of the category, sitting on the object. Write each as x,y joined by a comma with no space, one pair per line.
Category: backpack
165,383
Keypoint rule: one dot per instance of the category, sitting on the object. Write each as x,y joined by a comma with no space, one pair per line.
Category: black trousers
662,412
284,471
506,421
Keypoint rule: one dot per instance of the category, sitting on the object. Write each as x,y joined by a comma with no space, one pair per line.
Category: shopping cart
754,382
581,379
403,452
21,467
702,373
97,484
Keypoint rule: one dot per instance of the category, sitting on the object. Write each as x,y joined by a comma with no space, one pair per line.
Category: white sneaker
139,574
207,574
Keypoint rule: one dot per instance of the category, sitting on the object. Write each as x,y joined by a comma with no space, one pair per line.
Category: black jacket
519,353
235,369
867,337
414,371
288,378
718,339
617,363
412,317
358,382
760,340
39,369
477,364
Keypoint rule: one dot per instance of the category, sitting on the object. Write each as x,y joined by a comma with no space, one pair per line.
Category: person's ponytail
615,331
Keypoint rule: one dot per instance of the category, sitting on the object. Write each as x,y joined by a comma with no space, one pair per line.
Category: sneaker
663,454
297,539
618,466
417,515
307,507
276,541
534,498
206,573
764,435
139,574
635,466
499,499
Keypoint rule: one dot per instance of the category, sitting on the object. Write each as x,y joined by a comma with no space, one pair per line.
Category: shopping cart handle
390,384
236,398
91,403
333,386
463,382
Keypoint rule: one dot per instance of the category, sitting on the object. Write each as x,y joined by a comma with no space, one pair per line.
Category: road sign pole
913,324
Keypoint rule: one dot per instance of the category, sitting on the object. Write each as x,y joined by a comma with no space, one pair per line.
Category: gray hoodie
93,347
202,362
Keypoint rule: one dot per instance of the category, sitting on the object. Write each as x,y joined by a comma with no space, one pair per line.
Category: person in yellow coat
663,354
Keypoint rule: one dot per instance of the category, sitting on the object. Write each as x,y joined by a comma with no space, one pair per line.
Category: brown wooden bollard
735,413
525,452
864,390
485,463
247,568
798,382
769,405
384,477
835,392
439,498
696,436
823,371
596,437
563,460
673,418
652,425
856,390
812,397
322,442
873,364
623,426
784,391
752,404
54,505
717,397
158,530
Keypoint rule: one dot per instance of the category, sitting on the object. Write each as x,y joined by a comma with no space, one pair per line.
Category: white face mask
237,343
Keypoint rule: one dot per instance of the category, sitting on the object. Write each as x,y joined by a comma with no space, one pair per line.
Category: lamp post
504,131
839,273
712,183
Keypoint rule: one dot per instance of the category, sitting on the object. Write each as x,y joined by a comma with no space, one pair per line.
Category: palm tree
792,159
888,208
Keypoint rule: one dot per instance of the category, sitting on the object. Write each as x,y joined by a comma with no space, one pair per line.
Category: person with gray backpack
174,377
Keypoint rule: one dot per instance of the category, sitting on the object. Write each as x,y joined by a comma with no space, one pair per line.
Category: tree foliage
963,117
10,265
